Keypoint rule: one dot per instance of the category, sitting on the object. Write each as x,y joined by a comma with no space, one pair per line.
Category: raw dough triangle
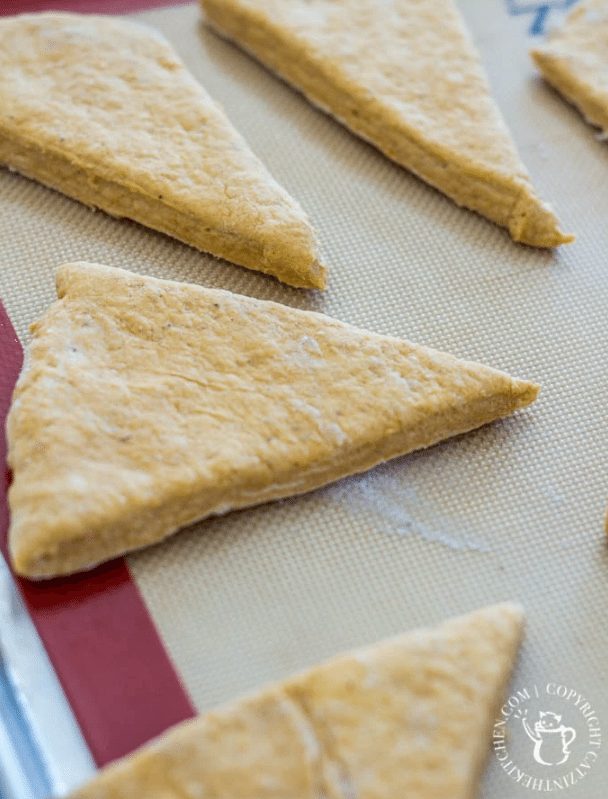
409,718
405,76
574,60
103,110
149,404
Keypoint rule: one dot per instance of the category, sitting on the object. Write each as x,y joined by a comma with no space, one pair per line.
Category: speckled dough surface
513,510
105,111
405,75
409,717
148,404
574,60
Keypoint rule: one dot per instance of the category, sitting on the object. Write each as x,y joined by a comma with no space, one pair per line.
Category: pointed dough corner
524,393
147,405
103,110
409,717
533,222
390,73
574,60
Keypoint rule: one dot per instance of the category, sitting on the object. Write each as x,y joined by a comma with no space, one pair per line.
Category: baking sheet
42,751
511,511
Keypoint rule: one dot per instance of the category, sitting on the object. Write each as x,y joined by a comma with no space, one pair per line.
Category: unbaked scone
103,110
405,76
408,718
147,405
574,59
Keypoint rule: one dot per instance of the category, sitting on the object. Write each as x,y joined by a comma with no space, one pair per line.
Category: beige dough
103,110
148,404
574,60
405,76
409,718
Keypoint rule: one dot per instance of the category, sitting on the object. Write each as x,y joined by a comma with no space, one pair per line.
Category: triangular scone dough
405,76
103,110
409,718
574,60
148,404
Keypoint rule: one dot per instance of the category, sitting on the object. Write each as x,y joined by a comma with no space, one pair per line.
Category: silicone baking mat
513,511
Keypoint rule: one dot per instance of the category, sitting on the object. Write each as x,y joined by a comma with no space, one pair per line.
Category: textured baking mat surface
513,511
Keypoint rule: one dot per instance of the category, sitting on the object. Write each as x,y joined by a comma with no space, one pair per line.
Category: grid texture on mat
513,511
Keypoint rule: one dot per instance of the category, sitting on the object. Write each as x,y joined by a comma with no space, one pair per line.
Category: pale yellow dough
408,718
574,60
148,404
103,110
405,76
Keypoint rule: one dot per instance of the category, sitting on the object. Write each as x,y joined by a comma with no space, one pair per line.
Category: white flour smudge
552,493
392,503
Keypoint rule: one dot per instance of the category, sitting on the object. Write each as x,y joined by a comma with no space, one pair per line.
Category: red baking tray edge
97,631
8,7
